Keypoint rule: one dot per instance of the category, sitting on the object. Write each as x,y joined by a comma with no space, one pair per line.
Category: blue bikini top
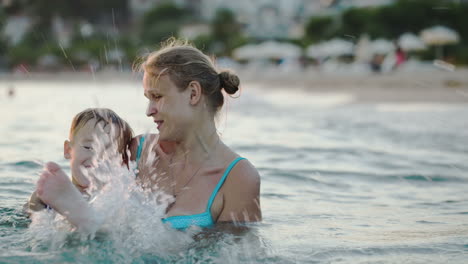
204,219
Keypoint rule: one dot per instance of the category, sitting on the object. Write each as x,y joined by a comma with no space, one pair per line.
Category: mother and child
187,160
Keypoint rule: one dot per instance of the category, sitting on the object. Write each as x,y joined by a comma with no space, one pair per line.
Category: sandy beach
440,86
434,86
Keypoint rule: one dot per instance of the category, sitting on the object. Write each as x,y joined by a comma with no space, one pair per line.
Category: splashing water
128,217
128,224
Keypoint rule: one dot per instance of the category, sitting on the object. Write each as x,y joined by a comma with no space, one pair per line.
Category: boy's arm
55,189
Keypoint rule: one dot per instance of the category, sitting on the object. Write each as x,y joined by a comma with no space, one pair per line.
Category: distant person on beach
209,182
400,57
94,134
376,63
11,91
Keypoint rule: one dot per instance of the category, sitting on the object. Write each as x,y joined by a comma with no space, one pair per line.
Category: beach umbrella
291,51
337,47
267,50
439,36
411,42
115,55
314,51
382,46
274,49
246,52
48,61
333,48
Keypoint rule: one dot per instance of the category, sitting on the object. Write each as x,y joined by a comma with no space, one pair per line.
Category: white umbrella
314,51
382,46
338,47
267,50
333,48
411,42
48,60
439,36
291,51
246,52
273,49
115,55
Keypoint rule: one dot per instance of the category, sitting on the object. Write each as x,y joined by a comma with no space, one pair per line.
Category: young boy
95,134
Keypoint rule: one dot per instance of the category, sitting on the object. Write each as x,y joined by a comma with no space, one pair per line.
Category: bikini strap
140,148
220,183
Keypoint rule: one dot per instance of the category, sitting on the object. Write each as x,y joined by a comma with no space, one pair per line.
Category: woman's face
169,108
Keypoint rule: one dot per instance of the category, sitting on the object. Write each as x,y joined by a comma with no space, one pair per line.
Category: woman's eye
156,97
87,147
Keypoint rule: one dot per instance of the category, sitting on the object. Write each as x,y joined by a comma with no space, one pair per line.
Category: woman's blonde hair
185,63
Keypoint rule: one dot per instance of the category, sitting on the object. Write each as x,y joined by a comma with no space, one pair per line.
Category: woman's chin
163,137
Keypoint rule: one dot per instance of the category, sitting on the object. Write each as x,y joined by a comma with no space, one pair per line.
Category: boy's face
91,144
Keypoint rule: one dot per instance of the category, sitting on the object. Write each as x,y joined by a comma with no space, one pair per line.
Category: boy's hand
35,203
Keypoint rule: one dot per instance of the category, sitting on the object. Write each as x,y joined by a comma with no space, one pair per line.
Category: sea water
342,180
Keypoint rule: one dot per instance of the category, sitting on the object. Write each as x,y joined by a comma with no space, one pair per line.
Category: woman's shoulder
241,194
242,169
245,172
242,173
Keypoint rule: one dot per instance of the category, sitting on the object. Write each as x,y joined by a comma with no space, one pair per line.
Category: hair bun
229,82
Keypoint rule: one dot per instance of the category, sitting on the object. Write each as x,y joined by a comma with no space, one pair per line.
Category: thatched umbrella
439,36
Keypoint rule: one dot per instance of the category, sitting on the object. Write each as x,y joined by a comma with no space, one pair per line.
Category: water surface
342,181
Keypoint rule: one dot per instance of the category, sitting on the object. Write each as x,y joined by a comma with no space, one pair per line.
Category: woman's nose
151,109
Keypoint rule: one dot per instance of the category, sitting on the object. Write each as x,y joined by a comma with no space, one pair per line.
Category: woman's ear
67,149
195,92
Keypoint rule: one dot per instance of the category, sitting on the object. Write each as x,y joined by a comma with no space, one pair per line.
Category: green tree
32,46
3,46
162,22
410,16
391,21
357,21
204,42
319,28
227,32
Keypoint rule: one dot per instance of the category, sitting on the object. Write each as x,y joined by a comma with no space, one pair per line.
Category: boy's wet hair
105,116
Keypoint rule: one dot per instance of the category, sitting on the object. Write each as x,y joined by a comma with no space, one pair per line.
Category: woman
210,183
185,93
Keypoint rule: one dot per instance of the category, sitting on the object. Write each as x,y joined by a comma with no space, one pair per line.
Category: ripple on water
25,165
14,191
10,217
